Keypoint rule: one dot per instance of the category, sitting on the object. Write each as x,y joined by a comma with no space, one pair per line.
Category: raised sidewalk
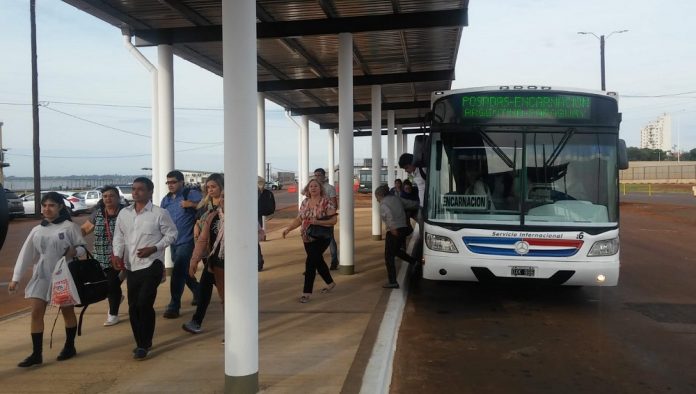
319,347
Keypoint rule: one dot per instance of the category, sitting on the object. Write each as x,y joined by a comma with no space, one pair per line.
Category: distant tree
645,154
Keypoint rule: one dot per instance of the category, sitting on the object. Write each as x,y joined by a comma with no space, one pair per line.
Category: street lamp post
601,51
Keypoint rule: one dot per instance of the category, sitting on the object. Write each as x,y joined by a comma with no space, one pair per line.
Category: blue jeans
181,256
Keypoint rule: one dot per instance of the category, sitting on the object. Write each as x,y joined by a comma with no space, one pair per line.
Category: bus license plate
522,271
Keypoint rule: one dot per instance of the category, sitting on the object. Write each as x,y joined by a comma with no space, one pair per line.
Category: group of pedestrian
130,243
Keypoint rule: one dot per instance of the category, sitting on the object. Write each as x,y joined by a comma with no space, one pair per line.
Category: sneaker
135,349
390,285
140,354
334,266
171,314
192,327
111,320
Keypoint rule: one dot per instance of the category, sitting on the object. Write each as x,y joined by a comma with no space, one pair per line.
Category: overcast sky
83,60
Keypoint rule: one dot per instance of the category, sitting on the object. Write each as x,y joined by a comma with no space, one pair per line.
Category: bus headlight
608,247
440,244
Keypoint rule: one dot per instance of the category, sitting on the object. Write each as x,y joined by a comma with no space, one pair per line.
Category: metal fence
664,173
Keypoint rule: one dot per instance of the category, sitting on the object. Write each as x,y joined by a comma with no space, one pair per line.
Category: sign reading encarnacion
455,201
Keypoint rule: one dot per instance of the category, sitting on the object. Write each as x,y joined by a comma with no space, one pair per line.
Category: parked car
78,204
90,197
126,193
28,203
15,206
275,185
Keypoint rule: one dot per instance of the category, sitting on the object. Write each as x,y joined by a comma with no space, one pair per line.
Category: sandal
304,299
328,288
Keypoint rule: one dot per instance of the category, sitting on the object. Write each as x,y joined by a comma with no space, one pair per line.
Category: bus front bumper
570,273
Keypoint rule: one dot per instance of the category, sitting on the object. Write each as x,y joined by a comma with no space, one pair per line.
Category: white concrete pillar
405,150
165,75
376,158
345,153
241,280
304,149
261,135
399,149
390,148
332,161
165,92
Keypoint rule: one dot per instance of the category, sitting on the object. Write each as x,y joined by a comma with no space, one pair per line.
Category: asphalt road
638,337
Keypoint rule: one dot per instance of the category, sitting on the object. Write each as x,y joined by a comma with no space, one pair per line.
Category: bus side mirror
622,155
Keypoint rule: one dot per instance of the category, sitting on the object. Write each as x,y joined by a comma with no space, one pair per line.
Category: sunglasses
171,182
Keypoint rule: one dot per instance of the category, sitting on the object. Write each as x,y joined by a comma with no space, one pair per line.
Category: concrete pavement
319,347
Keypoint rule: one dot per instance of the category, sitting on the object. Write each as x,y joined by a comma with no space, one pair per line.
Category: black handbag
319,232
90,281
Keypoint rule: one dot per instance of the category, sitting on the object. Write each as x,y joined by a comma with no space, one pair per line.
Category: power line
110,157
77,103
116,128
668,95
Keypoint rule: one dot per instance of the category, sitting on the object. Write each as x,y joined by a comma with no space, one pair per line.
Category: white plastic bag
63,289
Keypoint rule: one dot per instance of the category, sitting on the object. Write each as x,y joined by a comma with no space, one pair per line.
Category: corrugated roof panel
310,57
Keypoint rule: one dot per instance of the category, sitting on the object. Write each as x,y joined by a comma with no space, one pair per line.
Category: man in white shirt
143,232
330,193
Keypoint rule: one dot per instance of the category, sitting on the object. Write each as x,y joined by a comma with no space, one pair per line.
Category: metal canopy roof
407,46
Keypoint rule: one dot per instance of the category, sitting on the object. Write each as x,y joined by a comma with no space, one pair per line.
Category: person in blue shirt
181,204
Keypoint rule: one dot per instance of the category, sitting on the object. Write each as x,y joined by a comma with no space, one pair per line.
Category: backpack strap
79,323
422,173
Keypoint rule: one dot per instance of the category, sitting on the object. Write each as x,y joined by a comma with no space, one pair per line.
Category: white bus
522,184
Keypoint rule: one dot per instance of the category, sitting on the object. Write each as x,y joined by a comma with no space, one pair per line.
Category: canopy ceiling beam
423,104
405,130
367,123
358,80
187,12
299,28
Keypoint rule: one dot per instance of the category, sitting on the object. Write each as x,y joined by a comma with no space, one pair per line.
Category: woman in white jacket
55,237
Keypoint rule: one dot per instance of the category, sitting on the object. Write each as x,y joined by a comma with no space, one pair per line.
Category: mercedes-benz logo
521,247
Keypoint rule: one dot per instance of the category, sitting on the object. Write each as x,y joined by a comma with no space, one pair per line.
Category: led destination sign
526,107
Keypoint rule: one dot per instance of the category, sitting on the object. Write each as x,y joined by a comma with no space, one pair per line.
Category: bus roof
522,88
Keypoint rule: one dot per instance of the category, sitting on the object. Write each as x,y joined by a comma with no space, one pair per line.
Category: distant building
286,177
195,177
657,134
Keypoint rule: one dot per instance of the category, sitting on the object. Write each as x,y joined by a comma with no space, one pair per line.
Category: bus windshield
543,176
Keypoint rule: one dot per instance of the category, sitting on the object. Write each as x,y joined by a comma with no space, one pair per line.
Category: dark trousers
260,257
114,293
315,263
205,293
181,256
393,247
142,291
334,251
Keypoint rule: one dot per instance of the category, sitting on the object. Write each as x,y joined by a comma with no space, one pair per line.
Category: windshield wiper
504,157
561,144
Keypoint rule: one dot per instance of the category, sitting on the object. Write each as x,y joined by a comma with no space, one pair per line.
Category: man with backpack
266,208
181,204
